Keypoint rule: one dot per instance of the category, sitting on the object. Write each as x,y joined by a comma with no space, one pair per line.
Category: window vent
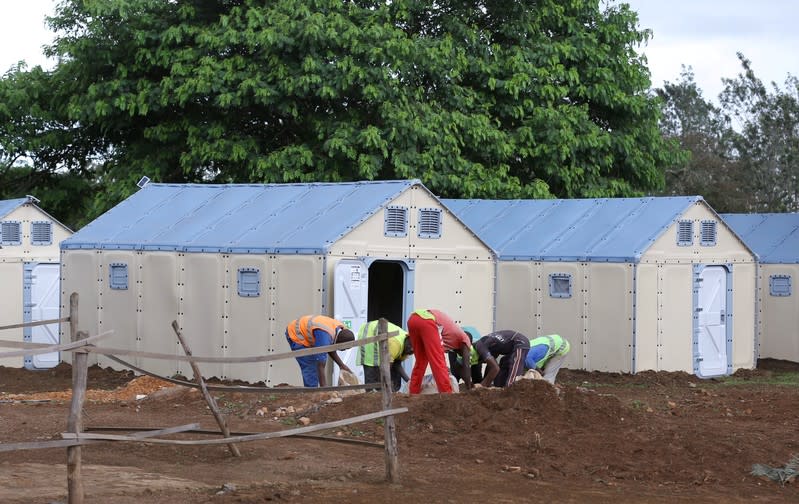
429,223
396,221
685,233
560,285
779,285
41,233
10,233
249,282
708,233
118,276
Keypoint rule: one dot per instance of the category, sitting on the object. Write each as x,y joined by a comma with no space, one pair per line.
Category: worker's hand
478,385
344,367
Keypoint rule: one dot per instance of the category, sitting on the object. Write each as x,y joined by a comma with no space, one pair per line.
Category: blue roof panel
8,206
774,237
304,218
603,229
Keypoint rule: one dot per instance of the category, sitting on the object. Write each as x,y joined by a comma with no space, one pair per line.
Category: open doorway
386,291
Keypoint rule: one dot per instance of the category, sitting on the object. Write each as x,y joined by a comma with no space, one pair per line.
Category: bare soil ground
597,437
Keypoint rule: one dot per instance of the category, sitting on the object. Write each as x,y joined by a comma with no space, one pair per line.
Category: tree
533,98
765,138
700,127
40,156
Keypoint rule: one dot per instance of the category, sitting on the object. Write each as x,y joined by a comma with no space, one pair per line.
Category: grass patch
784,379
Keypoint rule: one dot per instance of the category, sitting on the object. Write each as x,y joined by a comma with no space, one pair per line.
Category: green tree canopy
744,152
532,98
765,138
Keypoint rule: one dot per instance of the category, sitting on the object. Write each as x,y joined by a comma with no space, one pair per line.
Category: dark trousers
371,374
511,365
456,369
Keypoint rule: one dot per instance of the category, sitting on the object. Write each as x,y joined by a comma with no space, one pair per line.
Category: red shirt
452,336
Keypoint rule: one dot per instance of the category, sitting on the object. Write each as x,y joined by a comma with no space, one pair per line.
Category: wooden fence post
80,360
198,377
390,428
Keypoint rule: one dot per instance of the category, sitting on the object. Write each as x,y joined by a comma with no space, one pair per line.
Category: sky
705,34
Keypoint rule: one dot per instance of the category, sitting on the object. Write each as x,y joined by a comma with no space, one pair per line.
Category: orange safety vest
301,330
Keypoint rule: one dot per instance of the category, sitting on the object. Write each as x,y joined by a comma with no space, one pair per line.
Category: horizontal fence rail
237,439
241,388
74,346
40,348
34,323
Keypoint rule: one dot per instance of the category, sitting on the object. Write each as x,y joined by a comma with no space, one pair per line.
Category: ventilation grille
10,233
396,221
429,223
118,276
685,233
41,233
708,233
249,282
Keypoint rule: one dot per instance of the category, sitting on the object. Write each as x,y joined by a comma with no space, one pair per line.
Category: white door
350,303
45,306
712,321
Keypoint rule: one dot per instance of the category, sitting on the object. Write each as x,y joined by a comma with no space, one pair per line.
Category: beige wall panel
159,307
202,290
249,324
647,323
80,272
744,306
728,247
11,312
564,316
609,313
476,281
676,349
26,252
436,287
779,315
298,291
517,302
118,308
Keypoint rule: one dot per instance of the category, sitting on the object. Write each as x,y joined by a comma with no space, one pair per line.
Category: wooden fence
81,344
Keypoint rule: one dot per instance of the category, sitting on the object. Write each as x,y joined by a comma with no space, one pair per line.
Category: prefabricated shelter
29,276
633,283
234,264
774,237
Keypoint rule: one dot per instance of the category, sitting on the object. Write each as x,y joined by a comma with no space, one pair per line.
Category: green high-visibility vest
556,345
369,354
474,357
425,314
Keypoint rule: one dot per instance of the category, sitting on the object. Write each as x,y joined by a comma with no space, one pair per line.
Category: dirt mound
26,381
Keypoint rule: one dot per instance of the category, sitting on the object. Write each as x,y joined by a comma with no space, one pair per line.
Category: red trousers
427,348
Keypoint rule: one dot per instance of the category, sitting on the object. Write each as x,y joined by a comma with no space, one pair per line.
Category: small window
429,223
249,282
779,285
41,233
10,233
560,285
685,233
118,276
708,233
396,221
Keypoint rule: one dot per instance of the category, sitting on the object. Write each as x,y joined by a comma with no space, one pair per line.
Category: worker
513,346
313,331
432,333
546,355
475,366
399,348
